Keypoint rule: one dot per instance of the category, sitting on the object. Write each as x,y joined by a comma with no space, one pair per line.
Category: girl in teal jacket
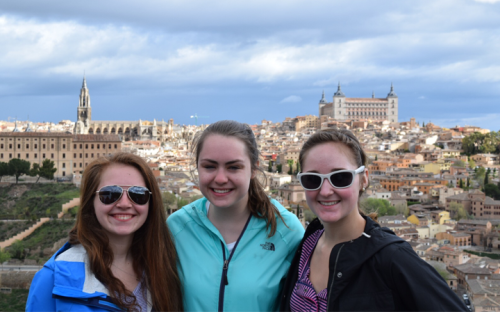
235,245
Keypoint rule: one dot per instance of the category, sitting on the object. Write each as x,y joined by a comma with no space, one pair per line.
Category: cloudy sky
249,60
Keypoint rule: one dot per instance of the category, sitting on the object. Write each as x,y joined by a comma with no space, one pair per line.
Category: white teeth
123,217
329,203
221,191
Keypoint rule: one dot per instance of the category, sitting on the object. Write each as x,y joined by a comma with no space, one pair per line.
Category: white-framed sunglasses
312,181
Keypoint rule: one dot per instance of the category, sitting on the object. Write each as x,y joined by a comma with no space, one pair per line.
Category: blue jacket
65,283
255,273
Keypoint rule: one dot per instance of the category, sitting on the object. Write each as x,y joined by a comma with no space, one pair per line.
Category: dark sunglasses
311,181
112,193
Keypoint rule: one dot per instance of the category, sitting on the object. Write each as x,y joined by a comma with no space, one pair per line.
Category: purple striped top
304,296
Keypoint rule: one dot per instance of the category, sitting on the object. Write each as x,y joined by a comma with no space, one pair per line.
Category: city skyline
249,61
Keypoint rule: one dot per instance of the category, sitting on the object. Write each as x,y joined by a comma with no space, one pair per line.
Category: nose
124,201
220,176
326,188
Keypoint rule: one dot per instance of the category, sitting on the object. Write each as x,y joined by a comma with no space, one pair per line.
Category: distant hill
35,201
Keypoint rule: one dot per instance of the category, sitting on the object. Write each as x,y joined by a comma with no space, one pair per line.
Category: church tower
339,105
84,111
392,100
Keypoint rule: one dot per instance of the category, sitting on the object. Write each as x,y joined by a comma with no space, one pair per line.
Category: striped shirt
304,296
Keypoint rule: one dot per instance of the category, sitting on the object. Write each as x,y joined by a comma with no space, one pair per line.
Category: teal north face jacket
251,280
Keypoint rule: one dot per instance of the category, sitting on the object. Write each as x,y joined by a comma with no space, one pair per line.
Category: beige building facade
357,109
70,153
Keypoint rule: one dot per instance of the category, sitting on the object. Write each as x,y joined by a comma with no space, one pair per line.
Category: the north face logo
268,246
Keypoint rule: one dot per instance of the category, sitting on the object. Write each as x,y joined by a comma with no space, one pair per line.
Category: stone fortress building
127,130
357,109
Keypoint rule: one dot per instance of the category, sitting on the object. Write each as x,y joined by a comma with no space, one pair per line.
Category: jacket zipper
224,280
333,277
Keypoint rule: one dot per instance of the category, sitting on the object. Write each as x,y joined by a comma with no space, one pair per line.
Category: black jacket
377,273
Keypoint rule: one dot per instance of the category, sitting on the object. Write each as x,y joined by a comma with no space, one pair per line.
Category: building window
18,145
98,146
81,146
10,156
64,155
64,173
64,165
51,145
27,156
74,146
74,155
92,146
86,155
18,155
36,155
116,146
109,146
10,145
36,145
86,146
1,155
92,155
1,145
80,165
43,156
43,145
64,145
52,156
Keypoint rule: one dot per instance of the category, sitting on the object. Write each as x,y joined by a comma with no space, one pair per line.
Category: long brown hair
152,248
349,140
258,202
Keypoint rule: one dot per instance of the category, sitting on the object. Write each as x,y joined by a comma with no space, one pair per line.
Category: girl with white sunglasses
346,261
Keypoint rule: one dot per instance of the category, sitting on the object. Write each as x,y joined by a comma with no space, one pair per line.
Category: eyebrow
333,170
227,163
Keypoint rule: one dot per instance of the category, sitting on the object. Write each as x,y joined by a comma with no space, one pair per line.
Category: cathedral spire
323,100
392,93
339,91
84,84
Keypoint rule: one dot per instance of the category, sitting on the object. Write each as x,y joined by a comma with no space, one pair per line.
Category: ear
365,178
254,172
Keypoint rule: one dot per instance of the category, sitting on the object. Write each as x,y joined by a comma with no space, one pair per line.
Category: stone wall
16,279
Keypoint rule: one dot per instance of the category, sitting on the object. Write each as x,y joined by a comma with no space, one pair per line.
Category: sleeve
40,294
418,286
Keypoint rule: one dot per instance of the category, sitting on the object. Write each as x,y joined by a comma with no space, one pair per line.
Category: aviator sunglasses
112,193
311,181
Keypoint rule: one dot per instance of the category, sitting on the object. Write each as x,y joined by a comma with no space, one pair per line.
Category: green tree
486,180
270,167
297,168
423,124
181,202
459,163
376,157
492,190
4,170
461,184
17,250
18,167
480,175
381,206
47,169
468,182
458,211
168,199
279,168
290,166
35,171
4,256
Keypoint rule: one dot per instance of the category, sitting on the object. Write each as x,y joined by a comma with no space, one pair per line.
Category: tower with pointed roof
84,111
392,99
